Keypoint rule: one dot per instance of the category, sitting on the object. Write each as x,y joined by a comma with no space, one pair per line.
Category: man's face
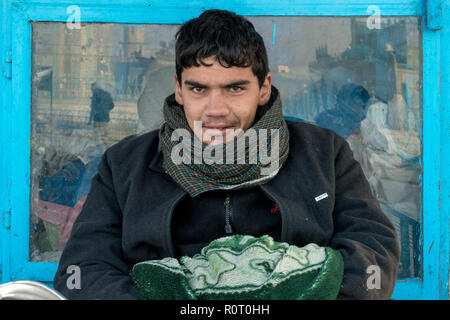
221,98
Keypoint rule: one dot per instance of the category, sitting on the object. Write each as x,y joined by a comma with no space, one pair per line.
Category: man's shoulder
141,146
137,139
308,132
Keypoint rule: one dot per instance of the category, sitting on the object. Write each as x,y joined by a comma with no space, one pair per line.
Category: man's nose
217,106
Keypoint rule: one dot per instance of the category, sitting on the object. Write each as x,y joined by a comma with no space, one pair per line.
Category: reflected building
66,149
386,63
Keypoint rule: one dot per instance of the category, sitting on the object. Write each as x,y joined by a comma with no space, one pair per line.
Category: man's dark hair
224,34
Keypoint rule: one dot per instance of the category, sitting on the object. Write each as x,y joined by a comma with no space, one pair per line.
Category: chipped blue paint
15,113
435,14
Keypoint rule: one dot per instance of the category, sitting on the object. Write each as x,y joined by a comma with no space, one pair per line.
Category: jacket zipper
228,214
169,244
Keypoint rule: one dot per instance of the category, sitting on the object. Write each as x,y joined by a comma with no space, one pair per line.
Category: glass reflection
364,84
90,88
94,86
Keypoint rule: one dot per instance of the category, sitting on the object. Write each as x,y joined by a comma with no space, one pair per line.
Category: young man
154,197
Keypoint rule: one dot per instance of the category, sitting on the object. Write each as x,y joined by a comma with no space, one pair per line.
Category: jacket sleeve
95,247
363,234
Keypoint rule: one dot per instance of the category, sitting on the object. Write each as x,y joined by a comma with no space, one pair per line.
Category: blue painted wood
37,271
16,117
445,151
5,94
431,164
3,206
20,118
173,11
434,14
408,290
435,137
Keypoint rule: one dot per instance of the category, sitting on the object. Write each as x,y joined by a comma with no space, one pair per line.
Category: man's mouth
217,129
211,133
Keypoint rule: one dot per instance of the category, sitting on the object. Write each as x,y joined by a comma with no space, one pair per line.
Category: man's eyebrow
228,85
236,83
194,84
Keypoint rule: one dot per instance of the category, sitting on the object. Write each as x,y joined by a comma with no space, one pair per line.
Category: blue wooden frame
15,117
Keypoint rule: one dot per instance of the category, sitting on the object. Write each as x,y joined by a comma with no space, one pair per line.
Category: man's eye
236,89
197,89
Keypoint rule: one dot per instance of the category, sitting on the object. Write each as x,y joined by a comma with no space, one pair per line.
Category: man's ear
178,95
266,90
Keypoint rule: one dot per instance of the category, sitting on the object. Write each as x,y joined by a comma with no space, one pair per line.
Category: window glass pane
365,84
337,72
91,87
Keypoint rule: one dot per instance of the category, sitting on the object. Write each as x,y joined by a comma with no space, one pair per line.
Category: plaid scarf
196,177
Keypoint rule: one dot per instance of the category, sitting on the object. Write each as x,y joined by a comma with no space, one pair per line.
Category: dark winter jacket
321,193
